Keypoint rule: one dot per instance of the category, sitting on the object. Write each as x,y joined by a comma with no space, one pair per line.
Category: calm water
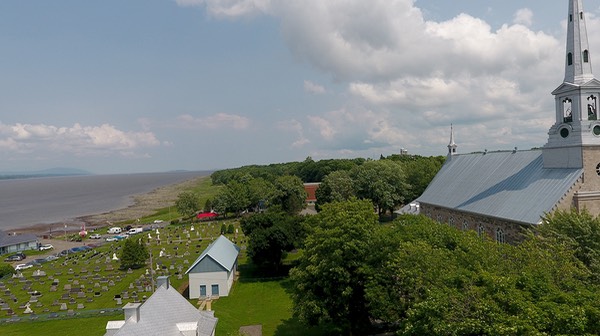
55,199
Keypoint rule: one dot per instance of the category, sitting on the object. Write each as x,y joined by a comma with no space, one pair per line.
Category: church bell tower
576,131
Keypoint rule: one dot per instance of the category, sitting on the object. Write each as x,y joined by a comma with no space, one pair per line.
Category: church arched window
592,107
500,235
480,230
465,225
586,56
567,112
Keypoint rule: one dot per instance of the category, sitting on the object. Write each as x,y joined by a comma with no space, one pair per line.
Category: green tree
233,198
270,235
289,194
208,206
328,283
134,253
383,182
337,186
6,269
187,204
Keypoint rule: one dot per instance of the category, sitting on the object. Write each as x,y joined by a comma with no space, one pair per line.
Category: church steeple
578,64
452,145
577,125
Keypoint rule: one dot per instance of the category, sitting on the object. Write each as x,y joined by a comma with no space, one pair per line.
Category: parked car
95,236
46,247
111,239
51,258
16,257
21,267
114,230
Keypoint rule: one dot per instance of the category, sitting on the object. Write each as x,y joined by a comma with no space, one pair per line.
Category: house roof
511,185
168,313
222,251
7,240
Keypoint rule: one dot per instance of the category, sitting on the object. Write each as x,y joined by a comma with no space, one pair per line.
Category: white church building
500,193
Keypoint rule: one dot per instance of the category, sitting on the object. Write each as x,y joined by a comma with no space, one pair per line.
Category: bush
223,229
6,269
230,229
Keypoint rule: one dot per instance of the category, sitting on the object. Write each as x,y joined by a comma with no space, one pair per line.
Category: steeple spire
578,65
452,145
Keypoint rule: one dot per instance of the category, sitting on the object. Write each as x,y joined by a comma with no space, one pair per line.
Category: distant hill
59,171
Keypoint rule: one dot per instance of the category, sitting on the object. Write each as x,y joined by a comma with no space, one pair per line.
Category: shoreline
142,205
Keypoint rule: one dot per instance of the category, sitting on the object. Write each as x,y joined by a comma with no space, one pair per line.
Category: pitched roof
222,251
168,313
511,185
7,240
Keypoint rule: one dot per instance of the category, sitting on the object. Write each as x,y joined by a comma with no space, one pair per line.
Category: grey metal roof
508,185
222,250
164,313
7,240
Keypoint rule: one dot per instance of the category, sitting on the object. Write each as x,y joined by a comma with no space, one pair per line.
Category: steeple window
569,59
586,56
567,112
592,107
570,17
581,15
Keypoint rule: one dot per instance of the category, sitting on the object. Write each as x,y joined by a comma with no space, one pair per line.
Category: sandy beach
143,205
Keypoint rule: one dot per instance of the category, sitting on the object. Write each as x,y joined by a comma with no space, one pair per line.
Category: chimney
132,310
163,280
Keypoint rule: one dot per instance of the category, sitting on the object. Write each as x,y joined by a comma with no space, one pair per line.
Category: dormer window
569,59
586,56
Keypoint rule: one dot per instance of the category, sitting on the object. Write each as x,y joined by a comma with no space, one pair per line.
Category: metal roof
222,251
511,185
164,313
8,240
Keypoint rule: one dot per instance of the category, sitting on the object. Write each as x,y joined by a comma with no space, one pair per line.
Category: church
500,193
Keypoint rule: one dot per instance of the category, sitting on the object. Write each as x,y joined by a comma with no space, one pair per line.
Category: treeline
388,182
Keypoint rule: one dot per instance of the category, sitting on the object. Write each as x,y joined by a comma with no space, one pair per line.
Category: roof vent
515,150
485,151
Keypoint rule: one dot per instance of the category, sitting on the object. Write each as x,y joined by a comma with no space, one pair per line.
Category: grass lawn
259,302
92,326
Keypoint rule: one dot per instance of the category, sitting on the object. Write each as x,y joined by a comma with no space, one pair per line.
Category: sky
126,86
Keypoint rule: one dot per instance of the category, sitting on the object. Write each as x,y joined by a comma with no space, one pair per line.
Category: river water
27,202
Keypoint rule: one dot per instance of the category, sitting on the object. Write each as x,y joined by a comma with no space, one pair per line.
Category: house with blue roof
501,193
213,273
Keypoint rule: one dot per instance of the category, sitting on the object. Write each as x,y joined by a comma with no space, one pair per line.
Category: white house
165,313
213,272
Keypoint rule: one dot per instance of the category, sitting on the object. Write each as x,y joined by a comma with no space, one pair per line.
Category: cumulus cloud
524,16
313,88
77,139
409,77
216,121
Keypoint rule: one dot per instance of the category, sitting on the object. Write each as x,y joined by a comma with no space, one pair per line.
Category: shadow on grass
293,327
252,273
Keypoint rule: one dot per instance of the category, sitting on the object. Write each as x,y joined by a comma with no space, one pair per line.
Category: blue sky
119,86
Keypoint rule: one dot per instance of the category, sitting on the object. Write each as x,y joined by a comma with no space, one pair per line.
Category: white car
21,267
111,239
46,247
95,236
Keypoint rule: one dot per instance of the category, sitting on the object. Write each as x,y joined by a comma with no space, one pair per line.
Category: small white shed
212,274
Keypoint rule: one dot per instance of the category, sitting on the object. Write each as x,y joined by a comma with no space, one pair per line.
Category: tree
6,269
208,206
580,230
328,283
270,235
383,182
337,186
134,253
232,198
290,194
187,204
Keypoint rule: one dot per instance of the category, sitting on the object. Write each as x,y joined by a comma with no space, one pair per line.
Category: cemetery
90,282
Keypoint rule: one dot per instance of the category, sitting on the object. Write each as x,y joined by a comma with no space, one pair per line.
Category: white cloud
313,88
408,78
77,140
524,16
216,121
296,127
